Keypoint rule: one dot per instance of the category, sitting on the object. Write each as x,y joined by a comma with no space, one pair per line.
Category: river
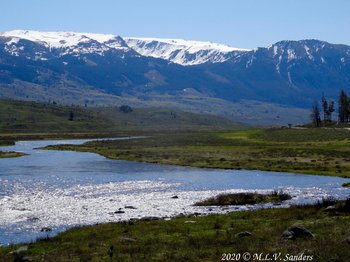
61,189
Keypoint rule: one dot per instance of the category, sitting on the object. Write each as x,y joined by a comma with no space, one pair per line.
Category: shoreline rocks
296,231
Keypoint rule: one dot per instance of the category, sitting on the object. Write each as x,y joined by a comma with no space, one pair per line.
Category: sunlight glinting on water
59,189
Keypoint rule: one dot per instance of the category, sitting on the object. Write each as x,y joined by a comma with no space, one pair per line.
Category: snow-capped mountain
183,52
62,43
314,51
70,67
178,51
292,72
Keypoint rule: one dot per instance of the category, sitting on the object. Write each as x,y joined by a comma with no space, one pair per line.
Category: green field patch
304,135
32,117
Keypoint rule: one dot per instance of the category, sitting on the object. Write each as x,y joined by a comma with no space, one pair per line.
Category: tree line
328,108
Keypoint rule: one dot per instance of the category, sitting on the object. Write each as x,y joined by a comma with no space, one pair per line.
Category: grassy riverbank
244,199
6,142
10,154
308,151
4,154
9,139
200,238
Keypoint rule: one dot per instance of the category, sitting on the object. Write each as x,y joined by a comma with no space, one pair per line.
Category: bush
125,109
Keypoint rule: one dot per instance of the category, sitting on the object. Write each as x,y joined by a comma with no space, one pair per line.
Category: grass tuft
244,199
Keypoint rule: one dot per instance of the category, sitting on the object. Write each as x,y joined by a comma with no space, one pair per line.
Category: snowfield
178,51
183,52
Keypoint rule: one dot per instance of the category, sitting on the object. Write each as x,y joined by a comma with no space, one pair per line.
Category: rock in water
150,218
46,229
130,207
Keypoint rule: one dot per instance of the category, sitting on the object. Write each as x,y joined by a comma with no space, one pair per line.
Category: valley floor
311,151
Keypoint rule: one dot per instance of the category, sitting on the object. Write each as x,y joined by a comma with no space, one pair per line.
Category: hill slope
20,116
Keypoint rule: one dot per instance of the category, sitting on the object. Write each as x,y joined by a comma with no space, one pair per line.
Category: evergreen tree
325,109
315,115
71,116
125,109
343,107
330,111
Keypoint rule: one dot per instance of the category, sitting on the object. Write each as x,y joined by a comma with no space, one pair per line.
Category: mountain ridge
257,86
183,52
59,39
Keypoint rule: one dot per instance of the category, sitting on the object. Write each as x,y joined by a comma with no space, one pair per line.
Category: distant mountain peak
184,52
57,44
64,39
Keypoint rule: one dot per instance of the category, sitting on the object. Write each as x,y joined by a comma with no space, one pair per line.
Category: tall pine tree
315,115
343,107
325,108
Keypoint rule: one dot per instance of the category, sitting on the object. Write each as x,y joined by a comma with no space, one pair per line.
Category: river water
62,189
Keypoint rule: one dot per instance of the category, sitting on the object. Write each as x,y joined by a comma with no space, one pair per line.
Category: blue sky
239,23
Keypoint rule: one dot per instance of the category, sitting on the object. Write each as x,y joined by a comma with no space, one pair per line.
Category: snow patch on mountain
65,43
307,49
183,52
63,39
